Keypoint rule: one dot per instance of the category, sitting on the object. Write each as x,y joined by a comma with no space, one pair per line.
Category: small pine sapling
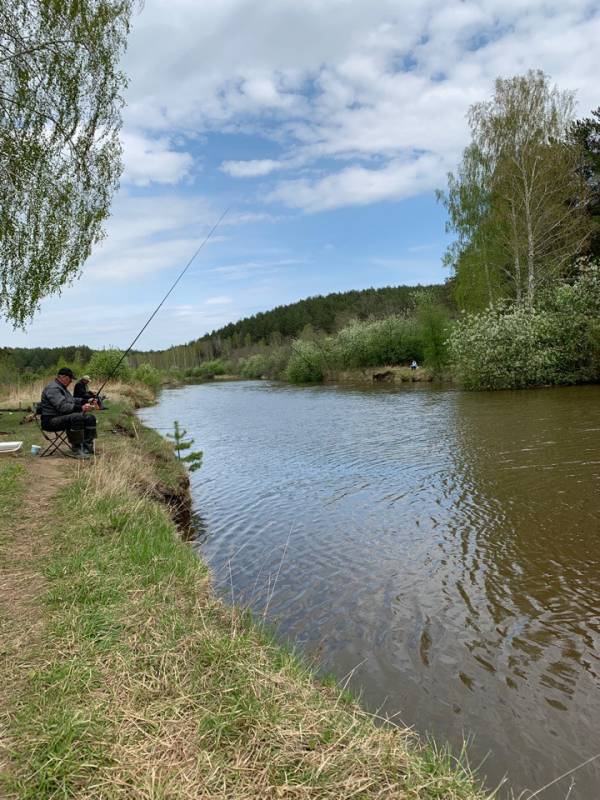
192,460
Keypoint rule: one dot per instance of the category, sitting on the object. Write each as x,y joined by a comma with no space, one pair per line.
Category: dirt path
24,541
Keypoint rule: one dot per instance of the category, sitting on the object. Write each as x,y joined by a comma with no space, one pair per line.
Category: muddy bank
382,375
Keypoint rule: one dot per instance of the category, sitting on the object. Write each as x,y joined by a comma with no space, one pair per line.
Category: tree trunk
530,251
516,258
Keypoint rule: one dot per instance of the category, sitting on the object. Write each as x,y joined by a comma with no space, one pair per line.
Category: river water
438,549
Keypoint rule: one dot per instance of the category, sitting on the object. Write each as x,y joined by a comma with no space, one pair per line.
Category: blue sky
325,125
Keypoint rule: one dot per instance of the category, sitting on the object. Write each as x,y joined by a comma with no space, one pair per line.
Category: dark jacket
81,391
56,401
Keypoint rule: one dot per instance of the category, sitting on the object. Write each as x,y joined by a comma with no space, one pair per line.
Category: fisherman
60,411
81,389
414,364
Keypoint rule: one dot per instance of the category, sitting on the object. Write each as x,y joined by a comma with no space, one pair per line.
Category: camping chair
57,440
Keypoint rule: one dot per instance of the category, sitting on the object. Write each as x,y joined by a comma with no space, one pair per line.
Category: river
437,549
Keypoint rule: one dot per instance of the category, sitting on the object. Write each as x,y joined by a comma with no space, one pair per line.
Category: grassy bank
124,677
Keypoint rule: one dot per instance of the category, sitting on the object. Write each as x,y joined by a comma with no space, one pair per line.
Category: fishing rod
158,307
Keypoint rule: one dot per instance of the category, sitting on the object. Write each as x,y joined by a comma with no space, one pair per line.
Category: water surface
440,549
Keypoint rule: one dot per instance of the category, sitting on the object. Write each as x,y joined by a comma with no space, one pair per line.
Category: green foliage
267,332
59,149
103,362
395,340
514,346
517,203
207,370
270,364
585,134
41,361
306,364
254,367
192,460
434,325
148,375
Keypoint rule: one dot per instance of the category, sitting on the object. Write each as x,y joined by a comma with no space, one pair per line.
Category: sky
325,126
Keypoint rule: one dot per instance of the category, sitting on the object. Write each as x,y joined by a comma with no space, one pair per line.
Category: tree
60,158
106,364
519,200
192,460
585,134
475,255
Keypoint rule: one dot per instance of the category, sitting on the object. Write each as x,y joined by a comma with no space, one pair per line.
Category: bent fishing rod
159,306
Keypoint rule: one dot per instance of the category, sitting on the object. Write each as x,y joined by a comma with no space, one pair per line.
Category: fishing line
158,307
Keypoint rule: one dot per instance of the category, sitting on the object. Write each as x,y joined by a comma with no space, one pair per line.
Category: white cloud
250,169
220,300
345,81
361,186
150,234
152,160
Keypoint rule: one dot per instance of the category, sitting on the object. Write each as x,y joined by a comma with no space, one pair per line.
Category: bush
207,369
103,362
395,340
271,364
148,375
511,347
254,367
306,364
434,326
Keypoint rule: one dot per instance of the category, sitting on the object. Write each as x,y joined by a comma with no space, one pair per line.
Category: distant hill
326,313
323,313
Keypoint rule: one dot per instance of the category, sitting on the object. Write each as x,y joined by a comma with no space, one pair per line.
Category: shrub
206,369
254,367
103,362
394,340
514,346
148,375
306,364
434,325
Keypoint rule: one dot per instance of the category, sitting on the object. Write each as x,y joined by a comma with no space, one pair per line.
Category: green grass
12,479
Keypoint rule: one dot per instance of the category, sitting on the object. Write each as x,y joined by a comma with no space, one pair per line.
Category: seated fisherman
82,389
60,411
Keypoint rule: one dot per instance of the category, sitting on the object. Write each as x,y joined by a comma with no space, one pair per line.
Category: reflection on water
440,547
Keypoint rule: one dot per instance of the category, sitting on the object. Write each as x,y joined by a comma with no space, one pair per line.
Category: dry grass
23,395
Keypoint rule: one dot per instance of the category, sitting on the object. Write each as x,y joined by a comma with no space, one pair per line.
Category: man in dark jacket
82,389
60,411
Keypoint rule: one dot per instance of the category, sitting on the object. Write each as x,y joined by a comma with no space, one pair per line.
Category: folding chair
57,440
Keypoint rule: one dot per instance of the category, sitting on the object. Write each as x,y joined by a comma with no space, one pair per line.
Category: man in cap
81,389
60,411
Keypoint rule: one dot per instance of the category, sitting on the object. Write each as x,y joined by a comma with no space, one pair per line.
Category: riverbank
124,676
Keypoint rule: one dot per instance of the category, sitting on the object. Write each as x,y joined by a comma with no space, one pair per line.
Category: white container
10,447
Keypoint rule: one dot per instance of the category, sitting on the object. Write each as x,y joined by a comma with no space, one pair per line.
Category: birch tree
518,200
60,158
538,195
474,253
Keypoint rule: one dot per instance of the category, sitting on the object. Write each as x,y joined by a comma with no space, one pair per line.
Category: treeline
30,362
320,314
